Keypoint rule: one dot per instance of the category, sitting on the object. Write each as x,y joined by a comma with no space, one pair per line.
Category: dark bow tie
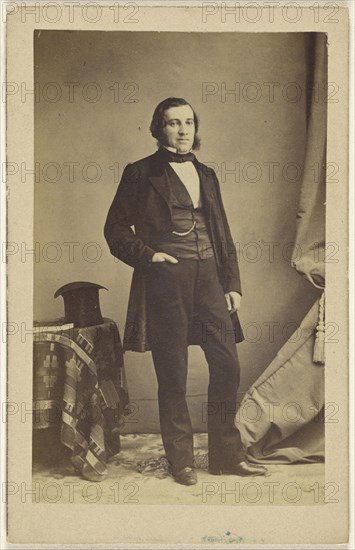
176,157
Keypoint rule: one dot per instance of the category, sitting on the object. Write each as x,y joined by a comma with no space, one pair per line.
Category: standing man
185,287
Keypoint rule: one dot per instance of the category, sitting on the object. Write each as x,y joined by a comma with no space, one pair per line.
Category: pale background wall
73,210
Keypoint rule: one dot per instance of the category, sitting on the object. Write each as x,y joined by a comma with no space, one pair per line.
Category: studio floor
289,485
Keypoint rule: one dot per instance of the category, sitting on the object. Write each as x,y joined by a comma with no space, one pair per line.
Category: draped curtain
281,415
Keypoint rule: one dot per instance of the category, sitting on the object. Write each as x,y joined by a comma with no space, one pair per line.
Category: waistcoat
188,238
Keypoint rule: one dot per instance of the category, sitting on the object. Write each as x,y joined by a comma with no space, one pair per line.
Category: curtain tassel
319,344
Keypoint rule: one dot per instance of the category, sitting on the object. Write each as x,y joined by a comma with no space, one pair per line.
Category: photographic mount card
270,87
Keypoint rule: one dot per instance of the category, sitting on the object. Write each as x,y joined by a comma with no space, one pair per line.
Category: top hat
81,303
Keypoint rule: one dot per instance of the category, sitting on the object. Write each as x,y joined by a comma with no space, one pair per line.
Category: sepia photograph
219,214
179,332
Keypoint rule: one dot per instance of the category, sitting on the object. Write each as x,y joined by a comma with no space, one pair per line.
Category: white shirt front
187,173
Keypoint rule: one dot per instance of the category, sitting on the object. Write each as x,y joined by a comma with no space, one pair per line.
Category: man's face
179,129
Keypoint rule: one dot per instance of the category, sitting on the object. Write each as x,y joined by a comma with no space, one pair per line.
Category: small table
79,380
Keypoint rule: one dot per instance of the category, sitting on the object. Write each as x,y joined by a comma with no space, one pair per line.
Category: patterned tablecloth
79,379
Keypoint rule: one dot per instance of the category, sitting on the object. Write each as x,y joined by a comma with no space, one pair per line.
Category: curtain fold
280,417
308,256
287,400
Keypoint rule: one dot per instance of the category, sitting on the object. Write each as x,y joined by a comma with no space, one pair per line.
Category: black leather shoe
186,476
243,468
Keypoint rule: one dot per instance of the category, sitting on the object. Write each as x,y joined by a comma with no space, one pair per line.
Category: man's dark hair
158,121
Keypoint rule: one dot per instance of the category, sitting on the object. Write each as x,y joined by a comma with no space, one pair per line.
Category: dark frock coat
143,202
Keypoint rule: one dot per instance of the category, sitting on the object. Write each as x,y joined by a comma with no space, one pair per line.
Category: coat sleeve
231,266
121,238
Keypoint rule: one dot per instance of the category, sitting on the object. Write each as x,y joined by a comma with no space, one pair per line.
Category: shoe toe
186,476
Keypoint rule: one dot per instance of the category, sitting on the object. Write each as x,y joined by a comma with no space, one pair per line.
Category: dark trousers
185,297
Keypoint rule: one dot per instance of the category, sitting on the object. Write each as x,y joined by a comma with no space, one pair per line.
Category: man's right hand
162,257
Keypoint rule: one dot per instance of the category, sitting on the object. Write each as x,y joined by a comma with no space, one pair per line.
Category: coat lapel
205,183
159,180
161,184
